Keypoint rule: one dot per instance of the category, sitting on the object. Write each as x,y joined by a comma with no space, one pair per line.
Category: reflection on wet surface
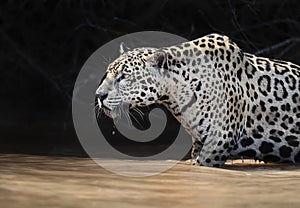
40,181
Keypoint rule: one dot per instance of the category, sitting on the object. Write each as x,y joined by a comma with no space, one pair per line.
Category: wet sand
41,181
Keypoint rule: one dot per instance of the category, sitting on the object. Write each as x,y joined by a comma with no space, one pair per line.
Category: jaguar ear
159,58
123,48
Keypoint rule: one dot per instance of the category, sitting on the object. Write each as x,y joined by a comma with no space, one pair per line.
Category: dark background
43,45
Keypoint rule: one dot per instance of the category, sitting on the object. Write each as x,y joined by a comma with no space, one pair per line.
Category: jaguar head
134,79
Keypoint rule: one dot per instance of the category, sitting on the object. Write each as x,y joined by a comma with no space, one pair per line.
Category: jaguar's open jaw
112,107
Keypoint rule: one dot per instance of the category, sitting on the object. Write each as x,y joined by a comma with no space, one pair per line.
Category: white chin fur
113,115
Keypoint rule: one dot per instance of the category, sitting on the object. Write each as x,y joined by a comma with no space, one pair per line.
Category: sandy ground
40,181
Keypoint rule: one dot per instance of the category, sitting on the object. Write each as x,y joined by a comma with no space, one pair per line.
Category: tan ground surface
39,181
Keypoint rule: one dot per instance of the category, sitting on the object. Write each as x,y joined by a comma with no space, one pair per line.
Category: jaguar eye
123,76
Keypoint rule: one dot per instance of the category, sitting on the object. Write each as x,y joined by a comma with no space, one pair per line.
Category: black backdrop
43,45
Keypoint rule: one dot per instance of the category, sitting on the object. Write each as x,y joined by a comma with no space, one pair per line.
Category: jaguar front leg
196,149
215,151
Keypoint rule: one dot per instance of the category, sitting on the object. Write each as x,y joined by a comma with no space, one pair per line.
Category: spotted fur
232,103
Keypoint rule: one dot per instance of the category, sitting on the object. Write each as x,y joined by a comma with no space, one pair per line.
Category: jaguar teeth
99,103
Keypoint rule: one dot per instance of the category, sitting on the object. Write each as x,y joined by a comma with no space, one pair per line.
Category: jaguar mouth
111,107
108,103
112,103
111,113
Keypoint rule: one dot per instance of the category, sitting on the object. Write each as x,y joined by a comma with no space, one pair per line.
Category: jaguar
232,103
